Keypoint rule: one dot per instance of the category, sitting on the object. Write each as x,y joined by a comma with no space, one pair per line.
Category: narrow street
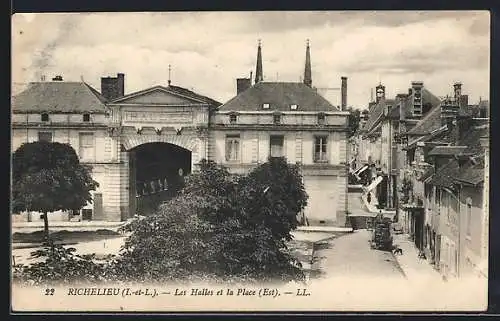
351,255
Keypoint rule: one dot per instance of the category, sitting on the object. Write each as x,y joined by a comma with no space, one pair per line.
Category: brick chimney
113,87
343,93
243,84
416,89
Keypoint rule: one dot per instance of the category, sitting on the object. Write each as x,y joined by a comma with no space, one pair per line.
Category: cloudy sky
208,51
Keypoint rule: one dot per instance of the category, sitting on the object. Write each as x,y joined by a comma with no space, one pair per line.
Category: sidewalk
415,269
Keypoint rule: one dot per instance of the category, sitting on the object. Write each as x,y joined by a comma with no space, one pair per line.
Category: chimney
113,87
457,90
121,84
464,101
416,89
243,84
57,78
343,93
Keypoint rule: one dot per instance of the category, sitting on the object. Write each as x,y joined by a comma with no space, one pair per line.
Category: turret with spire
307,69
258,70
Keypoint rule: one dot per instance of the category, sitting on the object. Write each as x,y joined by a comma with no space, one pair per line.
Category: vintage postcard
250,161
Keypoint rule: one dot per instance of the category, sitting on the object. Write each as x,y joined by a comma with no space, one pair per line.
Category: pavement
351,256
415,269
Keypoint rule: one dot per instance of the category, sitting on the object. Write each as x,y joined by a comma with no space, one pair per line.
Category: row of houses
427,159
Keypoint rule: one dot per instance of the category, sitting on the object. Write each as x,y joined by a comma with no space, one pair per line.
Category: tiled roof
446,174
59,97
430,122
472,174
280,95
472,137
377,112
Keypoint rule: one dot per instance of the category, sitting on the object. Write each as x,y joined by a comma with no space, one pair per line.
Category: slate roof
446,174
280,95
59,96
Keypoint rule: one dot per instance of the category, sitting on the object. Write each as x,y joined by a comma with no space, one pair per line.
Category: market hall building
141,145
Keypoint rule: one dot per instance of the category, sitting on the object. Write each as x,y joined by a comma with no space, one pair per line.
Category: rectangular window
232,119
277,119
87,150
320,148
232,148
86,117
265,106
276,146
293,107
469,217
45,137
321,119
45,117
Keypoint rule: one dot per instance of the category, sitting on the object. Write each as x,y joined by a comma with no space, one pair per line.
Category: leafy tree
353,120
48,177
222,227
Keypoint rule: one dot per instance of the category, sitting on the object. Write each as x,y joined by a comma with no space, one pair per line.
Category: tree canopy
48,177
221,226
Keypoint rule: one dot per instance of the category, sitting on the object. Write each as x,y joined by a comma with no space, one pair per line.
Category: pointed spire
258,70
307,69
169,71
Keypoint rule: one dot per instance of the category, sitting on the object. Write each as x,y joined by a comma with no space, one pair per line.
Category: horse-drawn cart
381,234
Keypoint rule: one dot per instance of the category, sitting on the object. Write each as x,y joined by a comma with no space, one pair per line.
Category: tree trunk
46,225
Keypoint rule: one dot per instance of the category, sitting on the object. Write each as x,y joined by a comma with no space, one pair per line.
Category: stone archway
156,174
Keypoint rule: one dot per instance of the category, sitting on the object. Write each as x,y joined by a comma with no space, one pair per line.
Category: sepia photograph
250,161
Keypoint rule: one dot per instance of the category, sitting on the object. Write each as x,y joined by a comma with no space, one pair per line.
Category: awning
374,183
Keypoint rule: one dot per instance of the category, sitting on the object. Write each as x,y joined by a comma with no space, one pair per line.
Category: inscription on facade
158,117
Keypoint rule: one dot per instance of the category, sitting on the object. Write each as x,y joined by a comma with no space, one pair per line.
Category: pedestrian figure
369,197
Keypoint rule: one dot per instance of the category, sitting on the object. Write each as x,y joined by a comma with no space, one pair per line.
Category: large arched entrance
157,172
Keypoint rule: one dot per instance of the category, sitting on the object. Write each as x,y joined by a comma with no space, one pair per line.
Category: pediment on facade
158,95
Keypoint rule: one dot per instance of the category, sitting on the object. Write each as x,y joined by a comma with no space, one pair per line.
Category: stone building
275,119
142,144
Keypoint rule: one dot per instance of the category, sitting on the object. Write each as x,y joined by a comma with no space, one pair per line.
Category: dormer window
321,119
277,118
45,117
86,117
233,118
265,106
293,106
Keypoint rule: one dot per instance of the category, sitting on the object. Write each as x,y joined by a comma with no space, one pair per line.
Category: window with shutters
87,147
232,148
320,149
277,146
45,137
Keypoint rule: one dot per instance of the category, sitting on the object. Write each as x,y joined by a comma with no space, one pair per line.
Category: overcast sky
208,51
